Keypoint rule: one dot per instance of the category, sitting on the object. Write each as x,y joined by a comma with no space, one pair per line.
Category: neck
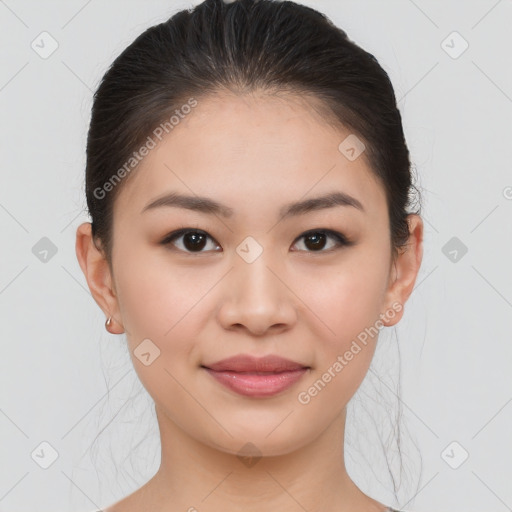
194,476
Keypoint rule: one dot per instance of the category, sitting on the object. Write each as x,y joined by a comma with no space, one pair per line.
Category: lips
256,377
246,363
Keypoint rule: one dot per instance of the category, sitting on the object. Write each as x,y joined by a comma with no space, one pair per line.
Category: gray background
68,383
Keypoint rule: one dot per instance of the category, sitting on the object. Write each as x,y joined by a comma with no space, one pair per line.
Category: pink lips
256,377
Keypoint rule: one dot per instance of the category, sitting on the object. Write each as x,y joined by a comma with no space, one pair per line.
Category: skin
253,153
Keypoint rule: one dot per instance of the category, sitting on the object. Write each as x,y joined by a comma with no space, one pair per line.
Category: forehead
252,149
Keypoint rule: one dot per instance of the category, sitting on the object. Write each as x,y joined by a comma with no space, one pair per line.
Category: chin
253,442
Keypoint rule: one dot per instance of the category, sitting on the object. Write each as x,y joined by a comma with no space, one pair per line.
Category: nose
256,297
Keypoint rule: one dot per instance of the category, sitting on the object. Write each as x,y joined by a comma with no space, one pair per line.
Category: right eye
192,240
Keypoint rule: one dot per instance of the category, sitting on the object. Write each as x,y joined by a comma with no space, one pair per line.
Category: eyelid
330,232
182,231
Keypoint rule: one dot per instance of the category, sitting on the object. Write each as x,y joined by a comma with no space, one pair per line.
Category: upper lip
247,363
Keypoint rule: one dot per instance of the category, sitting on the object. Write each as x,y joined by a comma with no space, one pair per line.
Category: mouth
256,377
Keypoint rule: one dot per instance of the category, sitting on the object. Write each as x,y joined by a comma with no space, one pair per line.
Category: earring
109,324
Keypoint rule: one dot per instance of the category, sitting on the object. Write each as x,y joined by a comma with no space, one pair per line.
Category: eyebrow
209,206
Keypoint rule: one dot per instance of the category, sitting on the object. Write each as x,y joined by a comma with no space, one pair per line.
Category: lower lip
258,385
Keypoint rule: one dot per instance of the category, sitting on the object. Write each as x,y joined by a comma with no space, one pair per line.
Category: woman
249,183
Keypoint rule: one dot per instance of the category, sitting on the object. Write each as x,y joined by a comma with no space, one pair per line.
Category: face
253,276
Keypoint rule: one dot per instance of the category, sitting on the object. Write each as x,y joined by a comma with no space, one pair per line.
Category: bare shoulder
129,504
134,502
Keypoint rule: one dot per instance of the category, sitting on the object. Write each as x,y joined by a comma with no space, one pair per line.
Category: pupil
317,238
195,239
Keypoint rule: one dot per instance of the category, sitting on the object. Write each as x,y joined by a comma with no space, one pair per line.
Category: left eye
195,240
316,239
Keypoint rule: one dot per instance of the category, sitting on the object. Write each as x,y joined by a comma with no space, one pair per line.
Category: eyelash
342,240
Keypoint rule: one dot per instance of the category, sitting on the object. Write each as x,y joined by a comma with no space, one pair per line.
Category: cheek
346,298
347,306
158,300
161,303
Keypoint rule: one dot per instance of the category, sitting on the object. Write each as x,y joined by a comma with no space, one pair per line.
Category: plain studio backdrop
78,430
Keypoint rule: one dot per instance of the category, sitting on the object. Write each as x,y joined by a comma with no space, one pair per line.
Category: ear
404,270
98,274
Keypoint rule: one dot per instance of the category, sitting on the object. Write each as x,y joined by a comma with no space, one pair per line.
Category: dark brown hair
243,46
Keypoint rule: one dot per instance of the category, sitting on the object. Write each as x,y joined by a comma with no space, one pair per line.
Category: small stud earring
108,323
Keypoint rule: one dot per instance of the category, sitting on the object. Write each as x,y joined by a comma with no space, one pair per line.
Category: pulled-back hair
242,46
